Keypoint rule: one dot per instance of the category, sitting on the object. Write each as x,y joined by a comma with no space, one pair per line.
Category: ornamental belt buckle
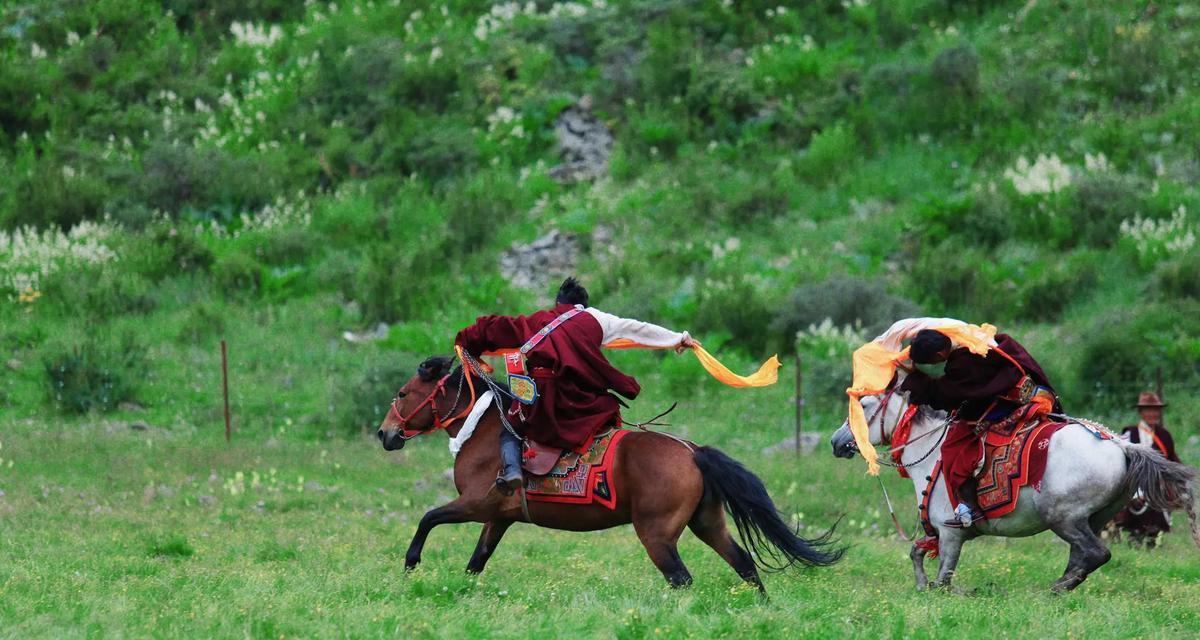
523,387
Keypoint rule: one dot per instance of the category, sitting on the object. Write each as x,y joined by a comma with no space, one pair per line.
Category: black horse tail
774,544
1166,484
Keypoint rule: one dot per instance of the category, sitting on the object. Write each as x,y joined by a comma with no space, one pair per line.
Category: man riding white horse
978,390
564,385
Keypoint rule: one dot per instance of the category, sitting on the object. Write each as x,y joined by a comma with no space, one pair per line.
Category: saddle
572,477
1014,457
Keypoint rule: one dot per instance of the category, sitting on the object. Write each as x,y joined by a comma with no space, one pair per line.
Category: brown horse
664,485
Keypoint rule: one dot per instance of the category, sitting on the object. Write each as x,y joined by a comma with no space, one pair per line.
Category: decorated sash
523,387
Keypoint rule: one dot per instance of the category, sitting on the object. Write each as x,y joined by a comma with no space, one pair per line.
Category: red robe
970,385
573,377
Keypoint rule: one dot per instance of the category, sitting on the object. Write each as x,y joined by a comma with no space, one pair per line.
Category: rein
900,433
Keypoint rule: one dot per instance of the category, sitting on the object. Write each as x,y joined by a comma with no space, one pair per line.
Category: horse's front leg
452,512
918,559
949,548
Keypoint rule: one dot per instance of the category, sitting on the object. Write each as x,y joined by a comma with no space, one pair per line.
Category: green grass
109,532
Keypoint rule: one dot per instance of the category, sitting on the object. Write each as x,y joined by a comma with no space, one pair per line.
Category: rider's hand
686,343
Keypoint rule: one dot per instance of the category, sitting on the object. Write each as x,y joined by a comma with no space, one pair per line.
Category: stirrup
508,486
964,517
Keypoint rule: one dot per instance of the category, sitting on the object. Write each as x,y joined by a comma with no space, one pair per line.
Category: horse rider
564,386
1138,519
978,391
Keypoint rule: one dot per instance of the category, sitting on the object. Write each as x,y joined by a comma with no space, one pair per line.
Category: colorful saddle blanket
1011,461
580,478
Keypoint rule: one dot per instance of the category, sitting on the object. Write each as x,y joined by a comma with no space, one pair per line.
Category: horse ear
432,368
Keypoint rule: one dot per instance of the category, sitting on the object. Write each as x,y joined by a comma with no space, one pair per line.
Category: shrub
956,70
201,322
101,292
1178,278
1121,351
361,404
1101,201
94,375
844,301
238,273
165,250
830,153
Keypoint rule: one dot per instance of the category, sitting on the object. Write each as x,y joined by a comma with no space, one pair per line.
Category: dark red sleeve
495,332
1168,442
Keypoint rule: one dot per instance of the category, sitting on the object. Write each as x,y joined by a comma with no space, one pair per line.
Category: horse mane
435,367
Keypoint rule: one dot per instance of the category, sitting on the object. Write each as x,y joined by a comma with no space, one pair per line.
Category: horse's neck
925,435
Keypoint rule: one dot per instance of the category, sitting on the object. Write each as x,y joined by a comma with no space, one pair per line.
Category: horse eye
400,394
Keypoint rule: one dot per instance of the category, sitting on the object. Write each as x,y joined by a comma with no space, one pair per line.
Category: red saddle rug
1011,461
580,478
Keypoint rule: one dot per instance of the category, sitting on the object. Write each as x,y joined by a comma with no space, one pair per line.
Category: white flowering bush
1046,175
1155,240
28,255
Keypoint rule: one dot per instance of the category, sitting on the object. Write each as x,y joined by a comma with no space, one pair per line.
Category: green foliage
238,274
1122,351
95,374
843,300
365,398
1178,278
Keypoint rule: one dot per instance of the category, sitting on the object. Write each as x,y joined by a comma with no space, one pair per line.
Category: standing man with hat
1142,523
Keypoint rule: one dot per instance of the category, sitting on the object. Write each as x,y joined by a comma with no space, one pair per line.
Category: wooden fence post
799,401
225,386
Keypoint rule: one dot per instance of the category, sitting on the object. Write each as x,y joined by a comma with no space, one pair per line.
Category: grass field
107,531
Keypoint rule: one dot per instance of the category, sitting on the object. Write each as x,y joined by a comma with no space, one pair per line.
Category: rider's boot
968,512
510,477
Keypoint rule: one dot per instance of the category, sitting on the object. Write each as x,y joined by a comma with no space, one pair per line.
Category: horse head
414,410
883,411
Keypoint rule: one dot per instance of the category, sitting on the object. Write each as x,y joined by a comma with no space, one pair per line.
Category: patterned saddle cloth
1013,460
579,478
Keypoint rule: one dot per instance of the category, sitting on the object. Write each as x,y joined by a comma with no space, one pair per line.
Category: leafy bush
844,301
165,250
361,404
1178,278
102,292
1121,351
204,181
94,375
238,274
1100,203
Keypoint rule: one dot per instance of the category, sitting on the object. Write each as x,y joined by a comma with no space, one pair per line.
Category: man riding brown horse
564,385
979,391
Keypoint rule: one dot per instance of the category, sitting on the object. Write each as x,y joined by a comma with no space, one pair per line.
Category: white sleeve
640,332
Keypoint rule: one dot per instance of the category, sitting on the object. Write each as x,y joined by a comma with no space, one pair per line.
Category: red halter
438,390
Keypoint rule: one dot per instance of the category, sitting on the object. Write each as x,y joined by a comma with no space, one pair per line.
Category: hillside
273,174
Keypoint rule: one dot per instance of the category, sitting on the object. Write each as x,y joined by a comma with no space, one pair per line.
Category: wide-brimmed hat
1149,399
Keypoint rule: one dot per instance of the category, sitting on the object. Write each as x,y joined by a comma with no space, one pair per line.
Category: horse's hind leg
708,524
659,533
1088,553
488,539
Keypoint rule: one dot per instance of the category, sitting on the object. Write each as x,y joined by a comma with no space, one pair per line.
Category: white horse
1087,480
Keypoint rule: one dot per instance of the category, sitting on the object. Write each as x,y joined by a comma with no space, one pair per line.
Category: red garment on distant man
573,377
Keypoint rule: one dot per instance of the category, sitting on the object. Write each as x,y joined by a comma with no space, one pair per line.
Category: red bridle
900,433
432,400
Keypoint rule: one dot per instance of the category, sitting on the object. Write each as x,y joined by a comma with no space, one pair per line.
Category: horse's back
1083,475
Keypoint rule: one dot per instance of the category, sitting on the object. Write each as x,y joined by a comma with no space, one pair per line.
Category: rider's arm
640,332
490,333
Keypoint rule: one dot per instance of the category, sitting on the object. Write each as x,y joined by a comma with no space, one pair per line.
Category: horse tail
774,544
1167,485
